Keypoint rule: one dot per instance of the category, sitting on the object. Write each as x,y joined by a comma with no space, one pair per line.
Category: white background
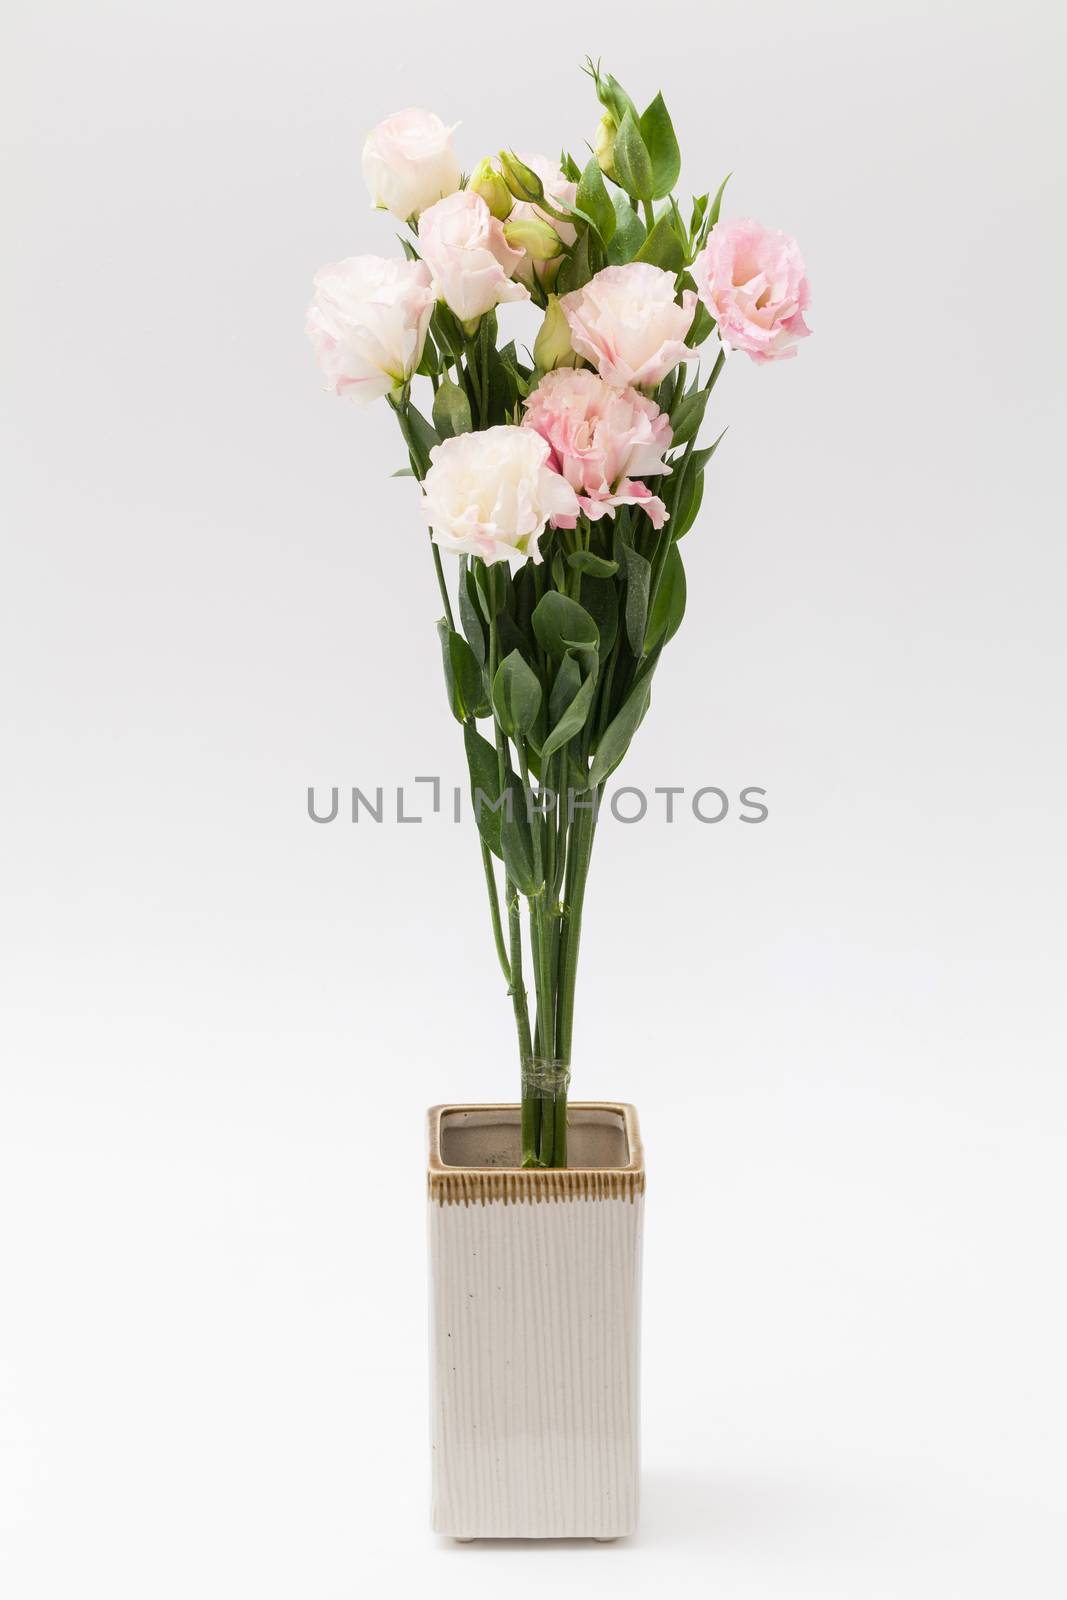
844,1029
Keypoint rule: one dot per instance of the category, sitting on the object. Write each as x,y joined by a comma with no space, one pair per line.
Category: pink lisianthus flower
753,282
470,261
626,322
602,441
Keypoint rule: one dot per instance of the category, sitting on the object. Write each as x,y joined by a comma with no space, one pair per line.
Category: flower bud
604,145
539,239
552,347
521,179
486,181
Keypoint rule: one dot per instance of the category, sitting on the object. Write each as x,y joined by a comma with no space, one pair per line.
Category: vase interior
490,1136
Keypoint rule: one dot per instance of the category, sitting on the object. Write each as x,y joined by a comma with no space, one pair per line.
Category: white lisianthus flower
367,324
470,260
408,163
490,494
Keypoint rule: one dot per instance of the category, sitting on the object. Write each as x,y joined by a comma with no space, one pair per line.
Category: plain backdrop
844,1028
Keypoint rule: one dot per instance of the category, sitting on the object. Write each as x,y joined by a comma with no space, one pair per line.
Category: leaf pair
647,158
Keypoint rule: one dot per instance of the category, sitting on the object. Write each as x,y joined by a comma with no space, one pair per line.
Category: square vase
535,1302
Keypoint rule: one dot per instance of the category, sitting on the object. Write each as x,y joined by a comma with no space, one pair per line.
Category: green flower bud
540,241
486,181
604,145
520,179
552,347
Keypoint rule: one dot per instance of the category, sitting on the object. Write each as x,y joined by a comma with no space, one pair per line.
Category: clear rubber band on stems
544,1079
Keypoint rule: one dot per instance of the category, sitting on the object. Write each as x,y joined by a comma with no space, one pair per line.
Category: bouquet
563,479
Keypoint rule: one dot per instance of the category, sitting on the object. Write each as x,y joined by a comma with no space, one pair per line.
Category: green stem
578,857
531,1111
473,374
494,913
537,912
441,584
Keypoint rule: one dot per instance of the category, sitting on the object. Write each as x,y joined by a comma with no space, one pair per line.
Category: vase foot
609,1538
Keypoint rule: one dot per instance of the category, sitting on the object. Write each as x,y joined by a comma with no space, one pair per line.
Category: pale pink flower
556,188
598,436
469,259
752,281
491,493
367,323
626,322
408,162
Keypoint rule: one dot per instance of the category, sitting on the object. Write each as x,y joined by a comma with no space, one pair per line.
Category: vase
535,1283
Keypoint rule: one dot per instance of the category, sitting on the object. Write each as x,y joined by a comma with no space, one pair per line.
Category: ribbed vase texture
535,1329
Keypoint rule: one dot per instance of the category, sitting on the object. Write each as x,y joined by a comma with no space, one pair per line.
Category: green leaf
510,637
686,490
667,393
668,608
583,263
470,617
418,435
657,131
463,675
572,720
518,374
402,472
632,160
713,210
561,624
489,581
702,457
638,575
429,365
516,695
569,167
451,410
629,233
662,247
688,414
594,200
700,327
478,586
503,374
484,769
601,600
688,508
448,331
615,740
597,566
567,683
516,841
